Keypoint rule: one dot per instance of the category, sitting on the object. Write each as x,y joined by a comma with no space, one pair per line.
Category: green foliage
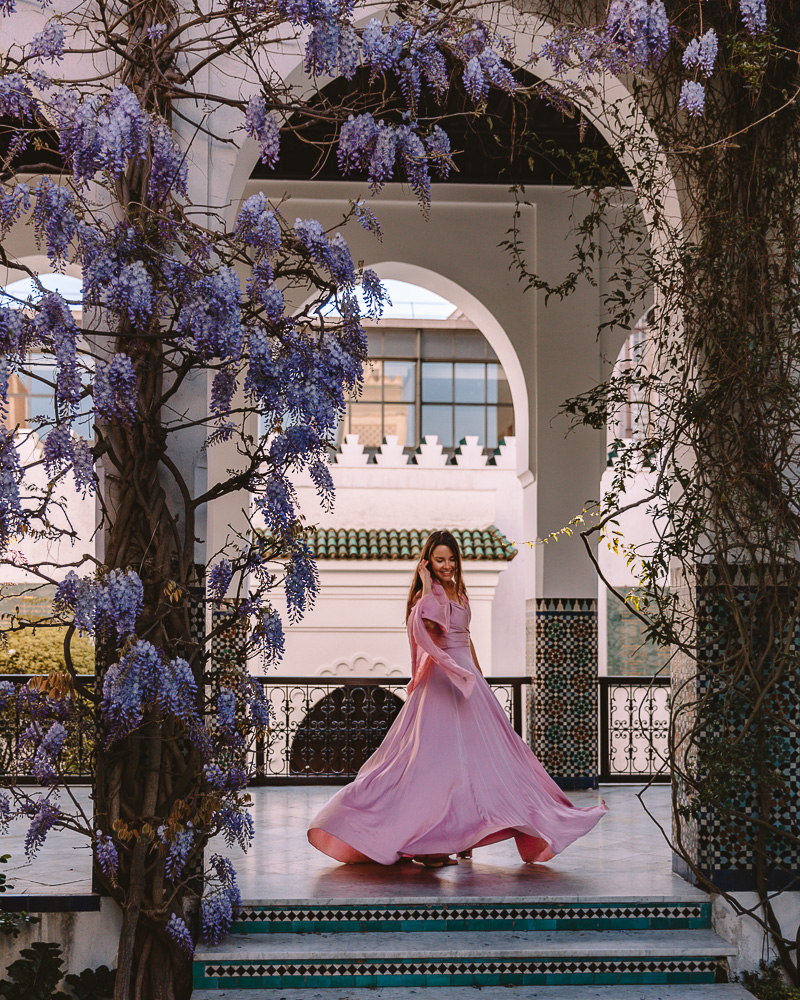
35,974
769,984
9,922
93,984
41,651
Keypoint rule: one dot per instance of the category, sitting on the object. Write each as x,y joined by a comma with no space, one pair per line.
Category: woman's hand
425,576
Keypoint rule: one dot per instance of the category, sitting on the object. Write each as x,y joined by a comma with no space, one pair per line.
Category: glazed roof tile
405,543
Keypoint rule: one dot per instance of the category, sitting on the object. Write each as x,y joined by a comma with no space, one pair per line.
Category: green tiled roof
404,543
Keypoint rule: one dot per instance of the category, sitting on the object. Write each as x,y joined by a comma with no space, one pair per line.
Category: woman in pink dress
451,774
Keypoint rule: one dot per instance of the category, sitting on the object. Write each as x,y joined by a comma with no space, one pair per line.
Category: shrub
769,984
41,651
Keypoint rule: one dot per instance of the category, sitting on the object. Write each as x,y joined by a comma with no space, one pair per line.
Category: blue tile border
283,974
481,916
87,903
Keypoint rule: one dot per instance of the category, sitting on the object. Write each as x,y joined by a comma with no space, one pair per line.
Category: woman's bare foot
434,860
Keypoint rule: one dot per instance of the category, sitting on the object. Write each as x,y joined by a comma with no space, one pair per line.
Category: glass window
413,390
470,420
501,425
366,420
470,381
438,420
399,344
437,382
470,345
436,344
373,379
400,419
399,381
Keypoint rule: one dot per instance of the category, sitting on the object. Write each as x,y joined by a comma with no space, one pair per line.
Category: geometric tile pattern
360,918
722,848
376,972
563,706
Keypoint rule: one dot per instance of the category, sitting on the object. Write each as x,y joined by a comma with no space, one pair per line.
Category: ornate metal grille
634,728
324,729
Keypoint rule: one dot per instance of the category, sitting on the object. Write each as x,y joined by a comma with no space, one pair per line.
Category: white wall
360,609
87,940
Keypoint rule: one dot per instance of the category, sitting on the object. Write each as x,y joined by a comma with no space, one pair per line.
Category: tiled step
463,958
721,991
470,914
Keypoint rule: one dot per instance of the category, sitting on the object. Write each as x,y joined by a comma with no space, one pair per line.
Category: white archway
488,325
603,104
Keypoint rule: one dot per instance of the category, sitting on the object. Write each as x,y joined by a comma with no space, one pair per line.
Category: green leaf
35,974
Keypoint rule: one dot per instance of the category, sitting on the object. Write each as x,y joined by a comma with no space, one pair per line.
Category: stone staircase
492,949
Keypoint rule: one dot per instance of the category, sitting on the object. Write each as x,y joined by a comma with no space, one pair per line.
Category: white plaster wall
360,617
69,512
750,939
87,940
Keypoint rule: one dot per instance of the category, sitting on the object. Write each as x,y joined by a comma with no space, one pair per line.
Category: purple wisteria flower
44,815
754,15
14,202
119,602
16,99
107,855
263,127
54,219
269,636
257,225
178,931
7,692
178,850
131,291
5,810
168,170
332,48
12,516
101,134
236,826
221,900
638,30
219,578
115,390
48,45
211,316
701,53
692,98
156,31
226,711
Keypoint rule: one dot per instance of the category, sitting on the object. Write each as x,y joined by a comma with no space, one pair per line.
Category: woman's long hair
436,538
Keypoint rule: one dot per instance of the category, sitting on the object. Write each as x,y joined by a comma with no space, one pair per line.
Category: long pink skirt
450,775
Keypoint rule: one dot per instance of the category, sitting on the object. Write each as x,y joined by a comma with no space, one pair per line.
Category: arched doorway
342,730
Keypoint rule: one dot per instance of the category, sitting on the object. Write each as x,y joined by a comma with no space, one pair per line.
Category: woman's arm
427,588
475,657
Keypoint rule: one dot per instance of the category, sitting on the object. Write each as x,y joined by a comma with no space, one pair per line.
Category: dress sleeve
429,608
425,652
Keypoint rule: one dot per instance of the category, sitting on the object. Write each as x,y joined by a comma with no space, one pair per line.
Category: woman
451,774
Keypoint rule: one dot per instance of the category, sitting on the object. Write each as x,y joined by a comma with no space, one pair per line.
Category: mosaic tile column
721,848
563,706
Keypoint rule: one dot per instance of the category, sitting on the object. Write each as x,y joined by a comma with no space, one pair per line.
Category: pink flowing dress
451,774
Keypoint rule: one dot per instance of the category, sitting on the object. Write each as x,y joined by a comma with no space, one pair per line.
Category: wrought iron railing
324,728
634,728
76,762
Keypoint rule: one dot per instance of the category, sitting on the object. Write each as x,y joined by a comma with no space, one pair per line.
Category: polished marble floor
625,856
